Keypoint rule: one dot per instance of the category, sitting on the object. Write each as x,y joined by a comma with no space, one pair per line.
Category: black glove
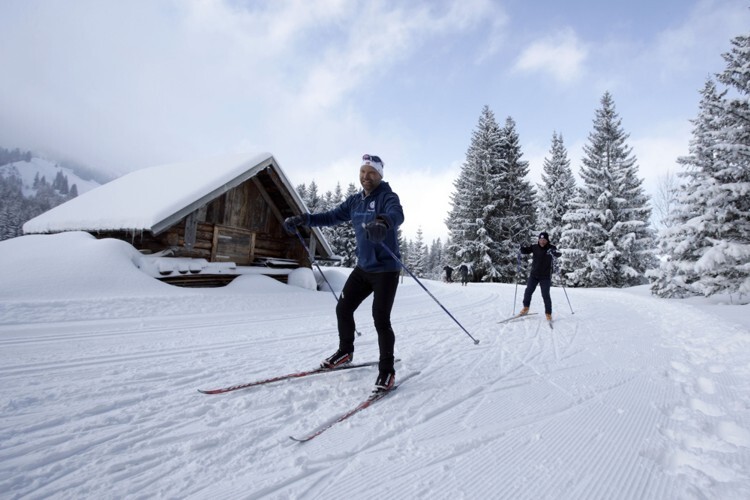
291,223
376,231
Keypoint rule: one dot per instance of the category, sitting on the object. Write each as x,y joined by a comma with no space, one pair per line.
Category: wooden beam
266,197
191,229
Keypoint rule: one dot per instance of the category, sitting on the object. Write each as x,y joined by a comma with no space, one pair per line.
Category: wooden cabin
223,210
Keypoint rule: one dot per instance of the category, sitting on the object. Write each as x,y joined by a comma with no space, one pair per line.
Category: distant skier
463,270
448,273
541,272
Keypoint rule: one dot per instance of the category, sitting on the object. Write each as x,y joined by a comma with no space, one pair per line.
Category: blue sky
126,85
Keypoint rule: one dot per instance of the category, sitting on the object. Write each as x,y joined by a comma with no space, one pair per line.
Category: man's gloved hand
291,223
376,230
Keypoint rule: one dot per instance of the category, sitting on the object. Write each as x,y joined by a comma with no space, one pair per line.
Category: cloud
704,35
561,55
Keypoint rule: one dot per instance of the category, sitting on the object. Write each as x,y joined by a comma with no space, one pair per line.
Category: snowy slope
630,397
27,171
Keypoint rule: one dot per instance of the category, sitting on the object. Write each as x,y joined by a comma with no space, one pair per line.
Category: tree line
603,227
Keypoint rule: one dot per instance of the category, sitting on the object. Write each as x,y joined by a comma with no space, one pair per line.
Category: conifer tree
474,200
607,240
683,243
725,267
343,240
709,247
558,188
313,201
514,215
417,260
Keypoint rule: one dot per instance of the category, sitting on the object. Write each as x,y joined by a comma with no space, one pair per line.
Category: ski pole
518,271
312,259
557,269
428,292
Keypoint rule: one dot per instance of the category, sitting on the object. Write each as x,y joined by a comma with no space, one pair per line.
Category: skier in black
376,213
448,273
541,272
464,272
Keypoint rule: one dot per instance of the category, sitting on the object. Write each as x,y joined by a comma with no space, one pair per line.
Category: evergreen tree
314,202
725,266
417,261
684,242
709,248
342,239
473,201
607,240
302,192
558,188
514,215
435,260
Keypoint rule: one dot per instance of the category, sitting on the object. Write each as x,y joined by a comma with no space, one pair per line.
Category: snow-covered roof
151,198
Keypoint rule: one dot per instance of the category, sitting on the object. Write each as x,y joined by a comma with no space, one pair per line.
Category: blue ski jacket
360,209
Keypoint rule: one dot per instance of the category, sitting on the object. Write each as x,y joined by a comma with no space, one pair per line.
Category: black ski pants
544,284
357,288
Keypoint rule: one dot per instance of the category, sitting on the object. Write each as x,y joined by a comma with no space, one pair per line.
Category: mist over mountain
31,184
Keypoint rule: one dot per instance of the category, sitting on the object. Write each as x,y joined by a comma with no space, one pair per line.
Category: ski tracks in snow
592,409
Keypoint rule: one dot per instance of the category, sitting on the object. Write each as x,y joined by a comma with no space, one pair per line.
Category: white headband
374,162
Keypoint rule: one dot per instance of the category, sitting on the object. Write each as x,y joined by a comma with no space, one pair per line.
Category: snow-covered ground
630,397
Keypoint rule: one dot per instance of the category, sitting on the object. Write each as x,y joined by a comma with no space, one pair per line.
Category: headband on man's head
374,162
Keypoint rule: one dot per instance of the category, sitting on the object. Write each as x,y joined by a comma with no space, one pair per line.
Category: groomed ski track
631,397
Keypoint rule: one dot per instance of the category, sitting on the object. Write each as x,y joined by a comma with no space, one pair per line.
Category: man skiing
541,272
463,270
376,214
448,274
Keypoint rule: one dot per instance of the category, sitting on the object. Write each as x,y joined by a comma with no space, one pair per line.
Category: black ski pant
357,288
544,284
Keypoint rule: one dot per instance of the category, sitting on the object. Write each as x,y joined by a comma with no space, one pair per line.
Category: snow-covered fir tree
310,196
473,199
341,236
492,205
726,266
435,260
557,189
343,241
607,240
715,211
417,257
514,217
686,239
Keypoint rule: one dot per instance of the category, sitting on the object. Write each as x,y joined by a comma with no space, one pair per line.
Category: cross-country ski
372,399
517,316
287,376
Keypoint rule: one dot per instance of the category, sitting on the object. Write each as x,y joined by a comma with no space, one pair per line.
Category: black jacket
541,262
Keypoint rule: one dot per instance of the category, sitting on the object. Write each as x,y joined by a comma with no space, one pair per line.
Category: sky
629,397
121,86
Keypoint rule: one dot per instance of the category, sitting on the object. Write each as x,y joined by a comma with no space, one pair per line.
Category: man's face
369,178
542,242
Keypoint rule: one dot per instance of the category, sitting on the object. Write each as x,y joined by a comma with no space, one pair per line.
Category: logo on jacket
372,205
